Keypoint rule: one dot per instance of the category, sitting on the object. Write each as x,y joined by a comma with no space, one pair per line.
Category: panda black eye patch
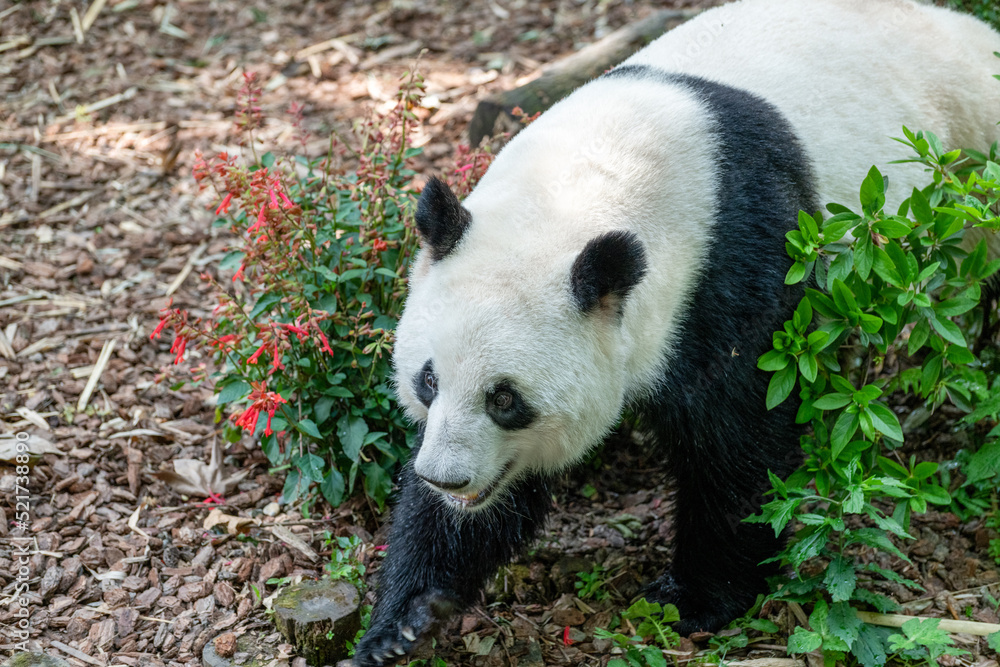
507,408
425,384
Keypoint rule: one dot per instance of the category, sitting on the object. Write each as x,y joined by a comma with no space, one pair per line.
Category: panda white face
493,403
509,370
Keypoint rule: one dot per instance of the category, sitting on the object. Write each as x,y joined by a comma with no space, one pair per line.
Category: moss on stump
33,659
319,618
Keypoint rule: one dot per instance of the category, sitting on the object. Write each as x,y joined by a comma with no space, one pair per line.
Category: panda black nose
445,486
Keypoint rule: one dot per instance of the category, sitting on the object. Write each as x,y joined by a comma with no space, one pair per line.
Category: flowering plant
301,335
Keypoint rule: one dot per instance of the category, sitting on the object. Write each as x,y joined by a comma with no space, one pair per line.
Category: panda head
509,350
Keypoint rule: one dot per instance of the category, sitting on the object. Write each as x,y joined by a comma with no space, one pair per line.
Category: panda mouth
470,500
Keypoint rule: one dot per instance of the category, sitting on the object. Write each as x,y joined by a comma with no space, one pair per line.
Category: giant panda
627,250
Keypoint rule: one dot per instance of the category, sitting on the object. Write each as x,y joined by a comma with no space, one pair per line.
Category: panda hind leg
716,573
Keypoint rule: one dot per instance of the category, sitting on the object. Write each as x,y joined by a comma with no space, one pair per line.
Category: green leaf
263,304
831,401
782,512
233,392
984,464
869,647
843,623
310,465
921,208
773,360
926,632
840,579
332,487
885,421
232,260
809,546
763,625
796,272
808,367
653,656
322,408
993,641
876,539
873,191
883,603
351,432
781,386
948,330
892,227
936,494
309,427
921,331
843,430
804,641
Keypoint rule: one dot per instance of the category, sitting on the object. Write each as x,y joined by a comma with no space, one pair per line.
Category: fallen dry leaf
11,447
192,477
234,524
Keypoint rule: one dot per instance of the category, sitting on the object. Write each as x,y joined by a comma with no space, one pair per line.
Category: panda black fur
628,248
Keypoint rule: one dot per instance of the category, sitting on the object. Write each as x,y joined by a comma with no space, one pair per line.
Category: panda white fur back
627,248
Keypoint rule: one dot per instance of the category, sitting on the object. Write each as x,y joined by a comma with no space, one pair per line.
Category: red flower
178,348
299,332
256,355
276,361
239,275
223,342
323,338
261,219
224,206
159,328
379,245
248,419
284,198
274,199
566,640
261,400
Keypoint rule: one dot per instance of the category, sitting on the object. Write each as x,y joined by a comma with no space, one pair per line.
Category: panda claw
398,650
408,634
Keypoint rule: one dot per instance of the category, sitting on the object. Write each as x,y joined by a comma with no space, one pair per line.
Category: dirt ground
101,223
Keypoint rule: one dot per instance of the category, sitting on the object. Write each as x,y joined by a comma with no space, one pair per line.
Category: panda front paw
392,637
698,612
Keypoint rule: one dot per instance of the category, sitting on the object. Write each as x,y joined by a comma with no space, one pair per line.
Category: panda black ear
441,218
606,270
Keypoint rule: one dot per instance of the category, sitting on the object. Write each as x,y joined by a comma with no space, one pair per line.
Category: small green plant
344,562
922,641
590,585
652,634
881,286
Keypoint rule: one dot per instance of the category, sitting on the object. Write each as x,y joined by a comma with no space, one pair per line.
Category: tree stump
33,659
493,115
308,612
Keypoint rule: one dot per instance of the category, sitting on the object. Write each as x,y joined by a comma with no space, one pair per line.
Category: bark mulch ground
104,105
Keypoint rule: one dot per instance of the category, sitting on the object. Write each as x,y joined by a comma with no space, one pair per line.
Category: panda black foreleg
721,475
438,560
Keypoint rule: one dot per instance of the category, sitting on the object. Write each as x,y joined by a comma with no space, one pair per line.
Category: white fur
638,155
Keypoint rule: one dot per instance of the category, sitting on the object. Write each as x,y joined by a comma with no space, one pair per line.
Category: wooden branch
946,624
493,115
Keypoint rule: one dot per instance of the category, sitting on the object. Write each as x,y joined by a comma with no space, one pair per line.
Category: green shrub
302,335
892,300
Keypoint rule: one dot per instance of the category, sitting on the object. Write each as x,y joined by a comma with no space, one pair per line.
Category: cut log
319,618
493,115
